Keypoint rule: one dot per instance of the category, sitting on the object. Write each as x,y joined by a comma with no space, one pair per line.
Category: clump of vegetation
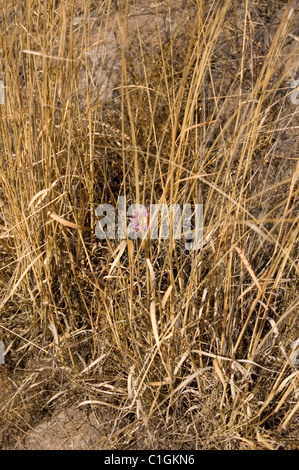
173,348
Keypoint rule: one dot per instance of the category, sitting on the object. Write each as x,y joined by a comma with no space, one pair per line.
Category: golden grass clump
164,102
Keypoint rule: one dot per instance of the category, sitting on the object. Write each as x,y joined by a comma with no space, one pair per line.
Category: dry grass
176,349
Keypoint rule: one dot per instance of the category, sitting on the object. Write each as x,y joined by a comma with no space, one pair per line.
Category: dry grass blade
248,267
66,223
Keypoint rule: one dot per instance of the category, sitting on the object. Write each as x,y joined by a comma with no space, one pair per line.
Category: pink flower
139,220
